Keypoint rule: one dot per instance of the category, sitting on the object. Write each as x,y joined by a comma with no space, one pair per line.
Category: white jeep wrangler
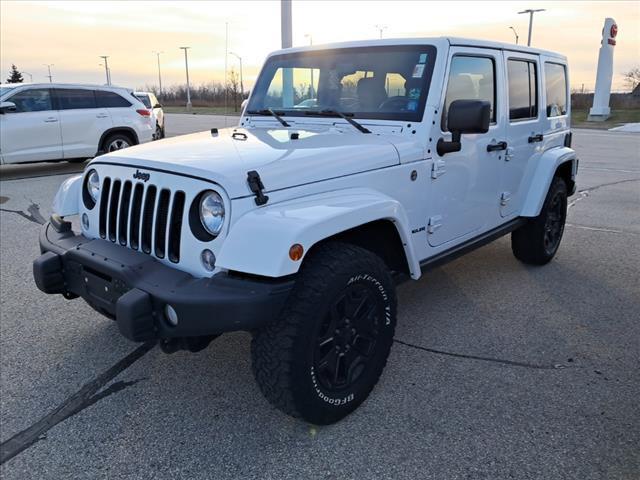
355,166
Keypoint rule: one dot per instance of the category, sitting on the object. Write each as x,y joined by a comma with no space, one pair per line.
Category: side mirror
157,105
7,107
464,116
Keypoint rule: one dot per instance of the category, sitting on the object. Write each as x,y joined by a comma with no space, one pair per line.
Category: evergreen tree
15,76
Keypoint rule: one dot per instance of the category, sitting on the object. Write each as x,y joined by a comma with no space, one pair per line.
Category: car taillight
143,112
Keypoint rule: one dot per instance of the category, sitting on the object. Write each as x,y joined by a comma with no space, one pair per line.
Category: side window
470,78
106,99
555,81
523,90
33,100
74,99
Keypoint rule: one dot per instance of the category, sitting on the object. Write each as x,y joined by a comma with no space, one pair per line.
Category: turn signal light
295,252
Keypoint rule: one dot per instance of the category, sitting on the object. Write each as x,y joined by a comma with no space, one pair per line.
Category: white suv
48,121
151,102
298,224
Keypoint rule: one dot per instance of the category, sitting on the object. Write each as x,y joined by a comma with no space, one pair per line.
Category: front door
524,129
31,133
463,197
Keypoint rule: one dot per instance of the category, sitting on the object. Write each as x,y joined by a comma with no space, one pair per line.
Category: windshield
4,89
389,82
144,99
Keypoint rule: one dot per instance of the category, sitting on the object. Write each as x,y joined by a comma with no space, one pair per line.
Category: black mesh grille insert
104,206
123,219
162,215
136,209
147,219
175,227
113,210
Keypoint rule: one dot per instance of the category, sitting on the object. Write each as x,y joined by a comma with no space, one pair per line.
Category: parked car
57,121
297,225
151,102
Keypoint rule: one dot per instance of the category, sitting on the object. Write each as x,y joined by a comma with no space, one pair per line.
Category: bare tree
632,78
234,88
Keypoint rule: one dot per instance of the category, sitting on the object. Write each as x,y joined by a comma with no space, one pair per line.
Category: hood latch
256,186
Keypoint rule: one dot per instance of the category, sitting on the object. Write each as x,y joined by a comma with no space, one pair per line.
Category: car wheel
159,133
115,142
537,242
323,356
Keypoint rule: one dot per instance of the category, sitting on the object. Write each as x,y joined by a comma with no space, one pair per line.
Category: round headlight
212,212
93,185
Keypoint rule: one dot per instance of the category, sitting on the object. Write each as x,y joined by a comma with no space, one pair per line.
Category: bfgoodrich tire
325,354
537,242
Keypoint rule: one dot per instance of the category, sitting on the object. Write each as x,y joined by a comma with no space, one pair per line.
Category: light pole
49,65
241,84
381,28
30,76
516,34
106,68
159,74
310,37
186,67
531,12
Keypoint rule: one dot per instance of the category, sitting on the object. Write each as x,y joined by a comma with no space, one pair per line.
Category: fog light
171,315
85,221
208,260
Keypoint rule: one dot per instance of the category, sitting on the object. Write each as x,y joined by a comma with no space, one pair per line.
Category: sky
72,35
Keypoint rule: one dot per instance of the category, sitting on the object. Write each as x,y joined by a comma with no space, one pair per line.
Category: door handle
51,120
536,138
493,147
101,115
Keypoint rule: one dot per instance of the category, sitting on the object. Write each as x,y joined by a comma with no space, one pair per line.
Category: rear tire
323,356
537,242
116,141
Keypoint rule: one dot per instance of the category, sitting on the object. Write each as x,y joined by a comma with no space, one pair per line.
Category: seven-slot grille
142,217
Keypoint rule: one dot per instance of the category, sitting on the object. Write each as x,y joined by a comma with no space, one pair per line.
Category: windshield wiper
270,111
335,113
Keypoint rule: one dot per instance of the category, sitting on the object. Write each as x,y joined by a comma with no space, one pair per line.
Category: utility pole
286,30
516,34
159,74
310,37
381,28
531,12
106,68
49,65
241,84
186,67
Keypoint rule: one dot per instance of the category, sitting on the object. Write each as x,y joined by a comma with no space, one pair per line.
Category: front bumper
134,288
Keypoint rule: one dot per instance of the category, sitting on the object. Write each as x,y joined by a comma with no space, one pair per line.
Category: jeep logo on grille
141,176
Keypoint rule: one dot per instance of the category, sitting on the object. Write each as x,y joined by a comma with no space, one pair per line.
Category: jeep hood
282,162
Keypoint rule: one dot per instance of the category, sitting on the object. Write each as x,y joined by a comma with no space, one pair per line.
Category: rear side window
523,90
33,100
144,99
110,100
555,80
470,78
74,99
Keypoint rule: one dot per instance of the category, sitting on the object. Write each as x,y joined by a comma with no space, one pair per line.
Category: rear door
119,108
83,122
32,132
525,134
463,197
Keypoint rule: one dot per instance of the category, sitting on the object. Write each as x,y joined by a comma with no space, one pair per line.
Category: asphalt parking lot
499,370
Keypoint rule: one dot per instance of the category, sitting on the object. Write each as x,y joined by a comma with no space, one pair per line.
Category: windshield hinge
256,186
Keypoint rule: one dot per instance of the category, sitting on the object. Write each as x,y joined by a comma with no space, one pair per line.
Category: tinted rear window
523,92
110,100
555,79
72,99
144,99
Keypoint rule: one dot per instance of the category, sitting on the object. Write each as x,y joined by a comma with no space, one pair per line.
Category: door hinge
435,223
437,168
504,198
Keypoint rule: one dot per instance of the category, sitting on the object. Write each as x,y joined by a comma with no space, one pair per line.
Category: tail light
144,112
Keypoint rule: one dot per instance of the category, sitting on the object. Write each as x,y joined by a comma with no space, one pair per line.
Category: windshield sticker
414,93
418,70
423,58
412,105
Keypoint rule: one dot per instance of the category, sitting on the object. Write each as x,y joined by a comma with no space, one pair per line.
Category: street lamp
531,12
159,74
186,66
381,28
310,37
106,68
30,76
49,65
515,33
241,84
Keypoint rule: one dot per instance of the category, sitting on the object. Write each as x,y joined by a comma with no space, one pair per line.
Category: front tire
537,242
326,352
